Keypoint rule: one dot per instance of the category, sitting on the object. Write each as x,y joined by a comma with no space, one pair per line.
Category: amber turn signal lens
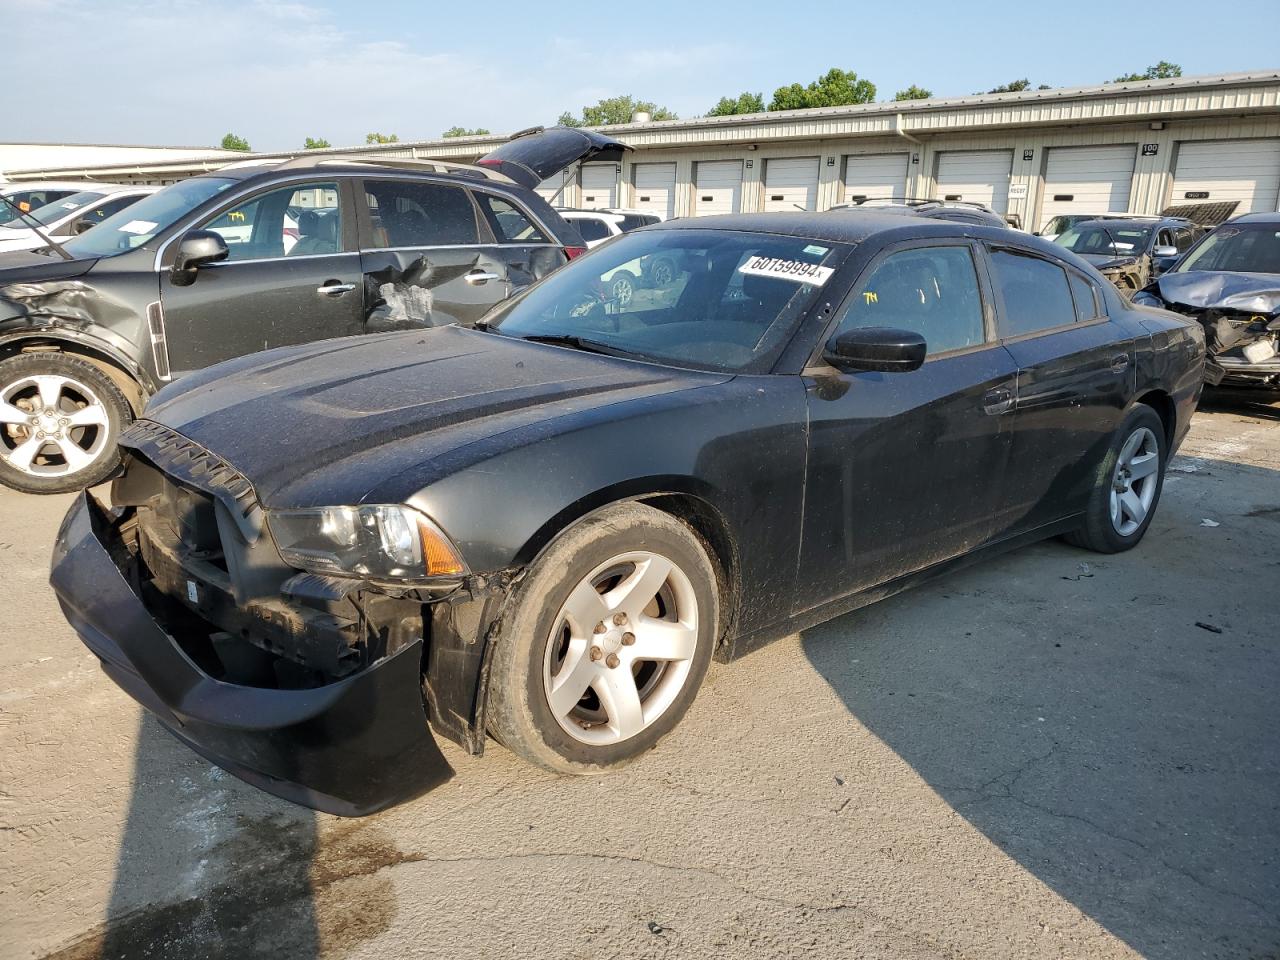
438,554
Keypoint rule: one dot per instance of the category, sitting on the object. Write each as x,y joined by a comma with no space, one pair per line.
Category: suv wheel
60,418
606,641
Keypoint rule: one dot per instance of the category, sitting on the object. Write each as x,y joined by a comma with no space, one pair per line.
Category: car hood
28,267
330,422
1204,290
1105,261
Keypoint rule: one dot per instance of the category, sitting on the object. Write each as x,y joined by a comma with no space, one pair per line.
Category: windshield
139,222
707,299
56,211
28,200
1243,249
1112,241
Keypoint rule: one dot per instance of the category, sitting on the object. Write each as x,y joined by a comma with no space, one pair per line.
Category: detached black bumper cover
350,748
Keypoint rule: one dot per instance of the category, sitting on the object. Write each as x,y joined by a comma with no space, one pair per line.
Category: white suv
70,215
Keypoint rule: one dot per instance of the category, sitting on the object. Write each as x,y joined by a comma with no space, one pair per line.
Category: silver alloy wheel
51,425
1133,484
621,649
623,291
663,273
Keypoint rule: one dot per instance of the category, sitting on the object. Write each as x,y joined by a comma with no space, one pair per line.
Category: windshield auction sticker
796,270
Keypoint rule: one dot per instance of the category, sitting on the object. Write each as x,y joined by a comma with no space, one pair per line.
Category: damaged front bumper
349,747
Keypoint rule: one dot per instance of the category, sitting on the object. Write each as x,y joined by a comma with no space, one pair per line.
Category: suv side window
409,213
932,291
291,221
1035,293
1184,238
591,228
508,222
1086,298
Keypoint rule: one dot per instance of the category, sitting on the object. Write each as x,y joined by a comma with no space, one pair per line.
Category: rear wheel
609,638
60,418
1127,485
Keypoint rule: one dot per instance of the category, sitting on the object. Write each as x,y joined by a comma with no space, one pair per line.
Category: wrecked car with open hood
1230,283
544,527
1130,252
253,257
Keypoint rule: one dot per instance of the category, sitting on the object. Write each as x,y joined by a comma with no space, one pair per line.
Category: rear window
706,299
1035,292
406,213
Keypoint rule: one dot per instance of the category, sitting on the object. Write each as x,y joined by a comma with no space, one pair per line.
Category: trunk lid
533,155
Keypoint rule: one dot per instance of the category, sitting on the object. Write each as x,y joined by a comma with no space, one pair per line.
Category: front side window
1184,238
290,221
1243,249
508,222
140,222
1035,293
705,299
932,291
407,213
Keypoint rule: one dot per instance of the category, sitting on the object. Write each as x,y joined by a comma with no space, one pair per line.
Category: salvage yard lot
1054,754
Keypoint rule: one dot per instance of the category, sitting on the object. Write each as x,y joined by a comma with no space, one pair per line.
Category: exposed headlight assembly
1144,299
379,542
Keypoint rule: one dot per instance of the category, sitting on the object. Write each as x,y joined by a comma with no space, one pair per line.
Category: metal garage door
655,188
1087,180
791,183
875,175
1217,170
550,188
717,187
599,186
980,176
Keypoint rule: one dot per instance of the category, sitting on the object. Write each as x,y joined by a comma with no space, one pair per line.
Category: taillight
572,252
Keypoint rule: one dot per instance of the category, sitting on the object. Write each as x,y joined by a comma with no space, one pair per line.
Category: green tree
464,132
615,110
381,138
1163,70
913,93
743,103
1013,87
834,88
232,142
318,143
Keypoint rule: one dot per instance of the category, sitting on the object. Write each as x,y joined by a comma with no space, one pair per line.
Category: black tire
1099,531
520,714
84,384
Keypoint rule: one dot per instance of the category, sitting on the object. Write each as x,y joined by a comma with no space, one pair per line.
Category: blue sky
185,72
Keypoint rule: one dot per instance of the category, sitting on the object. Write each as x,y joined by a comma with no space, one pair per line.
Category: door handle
997,400
335,289
1119,362
476,277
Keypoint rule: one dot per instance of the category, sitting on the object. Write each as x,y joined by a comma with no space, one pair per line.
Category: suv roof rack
404,163
917,202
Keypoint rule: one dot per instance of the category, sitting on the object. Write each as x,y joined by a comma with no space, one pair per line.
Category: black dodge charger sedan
543,529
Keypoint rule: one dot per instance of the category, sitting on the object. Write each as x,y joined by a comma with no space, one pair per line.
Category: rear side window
1085,295
407,213
591,229
1035,293
508,222
932,291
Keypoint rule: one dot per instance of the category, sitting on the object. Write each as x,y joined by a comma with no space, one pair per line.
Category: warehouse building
1034,154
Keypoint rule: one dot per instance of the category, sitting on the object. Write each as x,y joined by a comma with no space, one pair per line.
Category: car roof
1114,223
78,186
823,226
1272,218
569,213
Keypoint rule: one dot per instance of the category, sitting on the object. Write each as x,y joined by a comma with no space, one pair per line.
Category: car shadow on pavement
208,867
1259,404
1108,722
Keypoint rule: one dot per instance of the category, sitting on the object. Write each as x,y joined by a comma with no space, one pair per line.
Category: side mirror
80,226
196,249
1164,252
876,348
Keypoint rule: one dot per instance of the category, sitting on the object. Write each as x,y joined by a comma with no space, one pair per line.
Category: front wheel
1126,486
60,417
607,641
